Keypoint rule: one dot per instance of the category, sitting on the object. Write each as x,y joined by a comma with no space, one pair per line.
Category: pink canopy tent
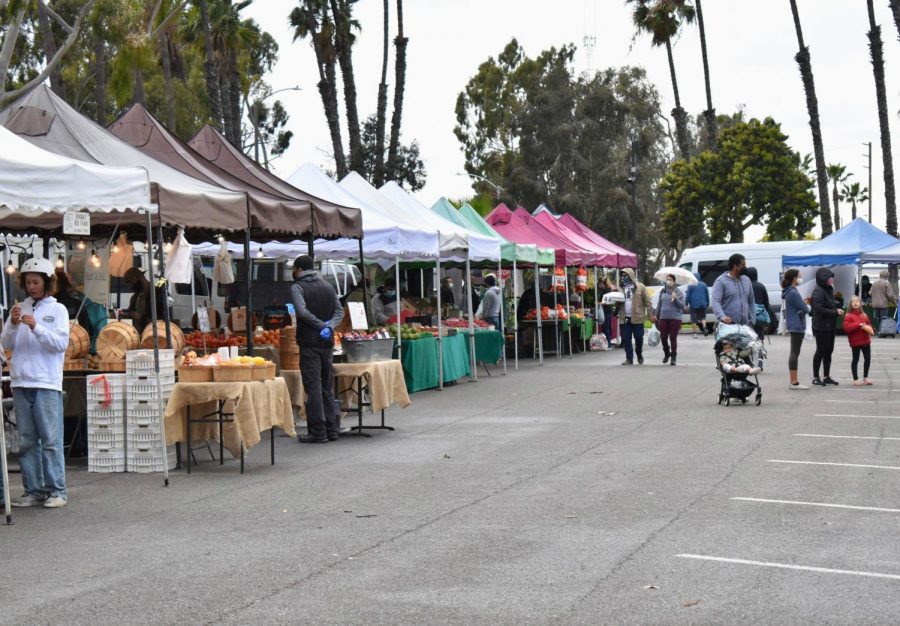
523,229
603,256
626,258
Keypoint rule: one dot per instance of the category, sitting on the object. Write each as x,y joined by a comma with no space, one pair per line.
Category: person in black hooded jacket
760,297
825,312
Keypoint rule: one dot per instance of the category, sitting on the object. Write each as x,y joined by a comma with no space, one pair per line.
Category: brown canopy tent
330,221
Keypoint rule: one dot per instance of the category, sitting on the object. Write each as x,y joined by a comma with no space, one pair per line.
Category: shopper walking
636,308
491,303
698,301
319,311
38,334
859,331
732,294
795,312
668,318
882,295
824,320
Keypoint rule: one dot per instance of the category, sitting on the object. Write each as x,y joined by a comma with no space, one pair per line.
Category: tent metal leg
159,397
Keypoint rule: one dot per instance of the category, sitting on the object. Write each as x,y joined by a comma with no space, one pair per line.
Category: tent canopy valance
844,247
625,258
522,229
34,182
600,256
525,253
329,220
47,121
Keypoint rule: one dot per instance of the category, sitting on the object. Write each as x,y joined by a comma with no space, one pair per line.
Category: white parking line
847,437
863,390
864,401
804,568
822,504
880,417
890,467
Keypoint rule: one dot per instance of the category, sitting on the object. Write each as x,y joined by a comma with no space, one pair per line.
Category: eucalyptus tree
876,50
812,105
662,19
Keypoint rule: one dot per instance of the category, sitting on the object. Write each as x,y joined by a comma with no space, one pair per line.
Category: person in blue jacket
795,311
698,300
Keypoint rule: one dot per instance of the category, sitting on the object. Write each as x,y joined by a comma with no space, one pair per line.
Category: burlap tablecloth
257,407
294,383
384,378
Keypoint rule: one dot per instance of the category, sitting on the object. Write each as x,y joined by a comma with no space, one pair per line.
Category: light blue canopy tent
848,246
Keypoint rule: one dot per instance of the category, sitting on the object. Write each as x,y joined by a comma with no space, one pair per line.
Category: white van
711,261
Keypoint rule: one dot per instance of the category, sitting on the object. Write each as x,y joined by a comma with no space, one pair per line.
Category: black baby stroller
738,385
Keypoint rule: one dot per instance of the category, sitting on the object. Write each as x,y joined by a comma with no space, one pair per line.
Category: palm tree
812,105
400,42
343,41
837,173
895,9
662,19
712,131
381,113
854,193
209,65
311,19
877,53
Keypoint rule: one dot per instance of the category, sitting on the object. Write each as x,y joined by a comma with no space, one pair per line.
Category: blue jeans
636,331
39,419
495,320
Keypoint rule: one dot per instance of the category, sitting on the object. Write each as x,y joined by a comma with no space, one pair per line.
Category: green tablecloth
584,326
489,345
420,362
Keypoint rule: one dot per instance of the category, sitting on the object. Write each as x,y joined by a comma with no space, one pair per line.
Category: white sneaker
55,502
28,500
798,387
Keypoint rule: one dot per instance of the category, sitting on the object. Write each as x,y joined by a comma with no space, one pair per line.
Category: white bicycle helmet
38,266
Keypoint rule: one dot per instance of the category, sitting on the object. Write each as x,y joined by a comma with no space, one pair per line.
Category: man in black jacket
319,311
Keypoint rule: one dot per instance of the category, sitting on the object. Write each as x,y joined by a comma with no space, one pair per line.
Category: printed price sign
358,316
203,319
76,224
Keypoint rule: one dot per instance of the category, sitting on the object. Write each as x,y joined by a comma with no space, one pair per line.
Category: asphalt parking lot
577,492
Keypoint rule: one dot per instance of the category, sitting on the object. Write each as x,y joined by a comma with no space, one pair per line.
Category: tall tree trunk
345,59
400,42
381,113
877,53
9,46
167,80
712,131
49,45
853,208
138,95
210,71
234,101
812,105
329,101
100,78
680,115
224,90
837,209
895,9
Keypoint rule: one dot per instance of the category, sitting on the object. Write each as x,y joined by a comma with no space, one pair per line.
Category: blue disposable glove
326,333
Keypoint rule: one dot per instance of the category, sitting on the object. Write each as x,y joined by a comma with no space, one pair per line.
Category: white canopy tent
35,183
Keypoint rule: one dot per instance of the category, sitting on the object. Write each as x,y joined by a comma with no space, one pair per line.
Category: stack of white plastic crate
106,422
144,423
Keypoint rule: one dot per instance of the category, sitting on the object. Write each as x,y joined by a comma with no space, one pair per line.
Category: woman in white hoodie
37,332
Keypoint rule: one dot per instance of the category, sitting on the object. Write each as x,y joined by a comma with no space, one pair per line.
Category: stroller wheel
721,397
727,401
743,400
758,399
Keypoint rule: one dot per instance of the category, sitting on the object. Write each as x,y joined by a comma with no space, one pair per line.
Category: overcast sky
751,49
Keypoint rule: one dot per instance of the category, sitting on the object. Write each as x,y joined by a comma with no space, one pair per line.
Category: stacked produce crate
106,422
144,423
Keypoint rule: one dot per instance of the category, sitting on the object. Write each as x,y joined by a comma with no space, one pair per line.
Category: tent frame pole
397,294
539,340
440,326
568,311
365,279
159,397
473,376
502,286
515,300
162,273
556,315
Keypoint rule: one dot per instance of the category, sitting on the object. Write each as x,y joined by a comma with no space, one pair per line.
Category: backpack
762,315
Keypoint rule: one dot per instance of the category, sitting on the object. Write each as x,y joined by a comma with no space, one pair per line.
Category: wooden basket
195,374
289,360
233,374
112,366
263,372
79,342
115,340
177,337
70,365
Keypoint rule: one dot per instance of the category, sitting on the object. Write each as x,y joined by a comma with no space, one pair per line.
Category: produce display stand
381,381
243,410
490,347
426,367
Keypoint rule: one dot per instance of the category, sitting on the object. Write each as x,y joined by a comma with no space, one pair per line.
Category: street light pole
497,188
253,113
